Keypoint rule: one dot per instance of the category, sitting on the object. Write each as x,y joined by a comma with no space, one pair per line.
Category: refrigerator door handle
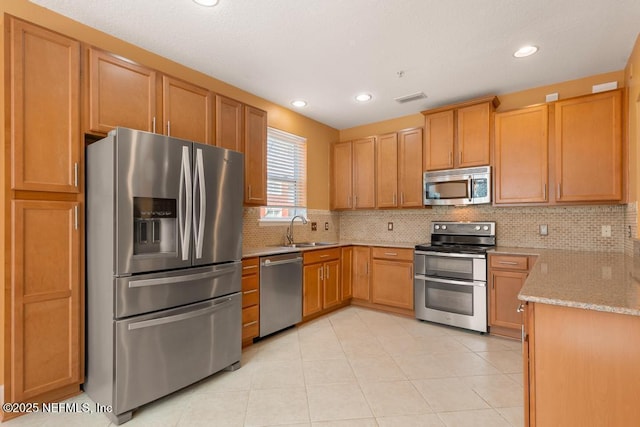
200,182
217,305
218,272
184,219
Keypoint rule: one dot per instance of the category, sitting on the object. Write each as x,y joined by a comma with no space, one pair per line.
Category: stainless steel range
450,283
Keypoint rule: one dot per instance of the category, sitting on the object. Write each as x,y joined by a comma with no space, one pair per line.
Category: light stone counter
273,250
601,281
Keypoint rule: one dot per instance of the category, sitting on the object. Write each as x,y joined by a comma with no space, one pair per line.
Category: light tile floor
354,367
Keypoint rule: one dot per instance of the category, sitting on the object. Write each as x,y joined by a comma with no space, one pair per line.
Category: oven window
453,268
449,298
448,190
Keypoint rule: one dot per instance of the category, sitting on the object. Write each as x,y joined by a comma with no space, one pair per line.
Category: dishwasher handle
269,263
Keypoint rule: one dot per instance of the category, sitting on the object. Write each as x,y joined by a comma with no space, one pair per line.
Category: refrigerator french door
164,249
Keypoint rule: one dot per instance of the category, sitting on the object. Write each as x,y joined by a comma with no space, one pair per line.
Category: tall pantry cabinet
43,357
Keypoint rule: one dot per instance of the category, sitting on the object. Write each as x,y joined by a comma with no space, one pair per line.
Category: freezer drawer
158,291
159,353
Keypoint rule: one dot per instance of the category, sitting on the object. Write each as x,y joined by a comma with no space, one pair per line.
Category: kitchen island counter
600,281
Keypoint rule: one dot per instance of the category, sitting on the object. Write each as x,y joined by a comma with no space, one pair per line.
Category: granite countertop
273,250
601,281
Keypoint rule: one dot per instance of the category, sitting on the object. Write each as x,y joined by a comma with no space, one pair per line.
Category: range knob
477,228
437,227
485,228
444,227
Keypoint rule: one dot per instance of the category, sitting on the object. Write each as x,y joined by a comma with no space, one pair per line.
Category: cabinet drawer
400,254
250,325
312,257
250,266
511,262
250,297
250,282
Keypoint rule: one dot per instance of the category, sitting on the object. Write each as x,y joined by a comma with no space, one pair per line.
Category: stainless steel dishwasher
280,292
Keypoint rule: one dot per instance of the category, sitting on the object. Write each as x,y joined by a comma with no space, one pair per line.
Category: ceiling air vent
409,98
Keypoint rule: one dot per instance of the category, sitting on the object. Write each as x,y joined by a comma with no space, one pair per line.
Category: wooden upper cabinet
439,140
255,156
228,123
588,148
364,173
410,168
121,93
387,165
45,109
473,135
186,110
459,135
342,175
45,299
521,156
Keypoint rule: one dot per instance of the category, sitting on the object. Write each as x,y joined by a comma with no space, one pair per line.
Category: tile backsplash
570,227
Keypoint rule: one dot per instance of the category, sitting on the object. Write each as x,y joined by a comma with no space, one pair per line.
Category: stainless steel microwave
467,186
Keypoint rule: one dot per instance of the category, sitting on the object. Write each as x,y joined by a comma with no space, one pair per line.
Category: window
286,176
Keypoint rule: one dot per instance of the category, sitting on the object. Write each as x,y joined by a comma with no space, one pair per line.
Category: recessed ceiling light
207,3
525,51
364,97
299,103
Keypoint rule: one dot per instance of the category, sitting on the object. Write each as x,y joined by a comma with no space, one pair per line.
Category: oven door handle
451,255
451,282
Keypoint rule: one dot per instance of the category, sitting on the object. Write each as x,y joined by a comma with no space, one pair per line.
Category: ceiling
328,51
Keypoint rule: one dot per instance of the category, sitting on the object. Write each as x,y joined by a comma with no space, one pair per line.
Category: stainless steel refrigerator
164,249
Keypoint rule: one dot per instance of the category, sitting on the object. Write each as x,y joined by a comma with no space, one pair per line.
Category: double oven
450,283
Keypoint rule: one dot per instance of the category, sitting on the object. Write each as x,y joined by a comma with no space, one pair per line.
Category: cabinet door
228,123
331,285
392,283
364,173
438,141
45,110
474,135
46,283
312,289
521,156
410,168
361,270
186,110
121,93
589,148
503,298
341,175
387,164
346,275
255,156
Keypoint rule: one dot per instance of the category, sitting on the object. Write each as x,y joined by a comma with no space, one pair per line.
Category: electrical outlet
606,231
326,226
314,226
390,226
544,230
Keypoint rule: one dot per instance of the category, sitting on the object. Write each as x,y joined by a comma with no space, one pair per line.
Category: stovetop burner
460,237
458,249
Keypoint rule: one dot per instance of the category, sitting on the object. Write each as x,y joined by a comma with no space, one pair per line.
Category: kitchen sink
307,244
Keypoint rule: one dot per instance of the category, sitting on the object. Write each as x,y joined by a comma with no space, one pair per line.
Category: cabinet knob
520,308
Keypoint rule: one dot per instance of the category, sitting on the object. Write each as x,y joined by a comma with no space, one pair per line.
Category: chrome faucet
289,234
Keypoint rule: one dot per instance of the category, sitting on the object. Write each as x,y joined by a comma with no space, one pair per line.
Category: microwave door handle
470,188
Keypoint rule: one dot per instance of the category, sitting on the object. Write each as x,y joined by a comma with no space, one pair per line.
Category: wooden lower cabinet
507,274
392,277
346,276
321,281
46,302
582,367
361,272
250,300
